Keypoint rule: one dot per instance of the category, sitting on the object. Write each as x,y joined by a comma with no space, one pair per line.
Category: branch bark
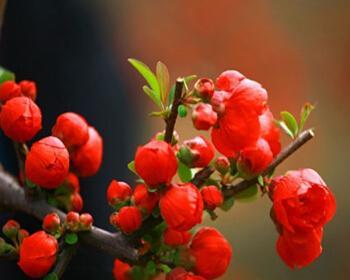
303,138
12,197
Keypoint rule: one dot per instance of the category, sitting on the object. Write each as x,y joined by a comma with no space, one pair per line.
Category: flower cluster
302,205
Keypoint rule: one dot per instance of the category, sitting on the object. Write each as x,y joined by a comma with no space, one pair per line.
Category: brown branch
171,120
202,175
12,197
304,137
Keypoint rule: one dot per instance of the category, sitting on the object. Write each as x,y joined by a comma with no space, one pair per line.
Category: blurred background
299,50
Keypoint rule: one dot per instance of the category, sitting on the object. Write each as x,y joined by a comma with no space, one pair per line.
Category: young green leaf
6,75
151,268
164,268
131,166
51,276
248,195
305,113
137,273
184,173
71,238
163,78
285,128
290,122
151,94
228,203
151,79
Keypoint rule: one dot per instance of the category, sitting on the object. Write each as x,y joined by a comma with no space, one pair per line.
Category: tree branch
304,137
171,120
12,197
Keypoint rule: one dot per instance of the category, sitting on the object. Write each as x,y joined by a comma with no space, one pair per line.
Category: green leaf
149,76
305,113
6,75
171,95
131,166
152,95
137,273
247,195
189,78
285,128
71,238
163,78
290,122
151,268
228,203
30,184
166,269
182,111
51,276
184,172
261,180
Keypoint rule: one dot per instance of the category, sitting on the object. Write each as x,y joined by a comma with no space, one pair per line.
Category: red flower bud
203,116
76,202
11,228
72,129
212,253
121,270
87,159
38,254
229,80
156,163
144,199
128,219
8,90
181,206
86,221
253,160
299,249
270,132
51,223
118,192
205,88
72,220
20,119
180,273
72,182
28,89
22,233
301,200
212,197
176,238
47,163
222,164
202,151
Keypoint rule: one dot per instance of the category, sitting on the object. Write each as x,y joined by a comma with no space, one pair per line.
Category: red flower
156,163
38,254
204,88
201,151
238,127
28,89
270,132
180,273
51,222
212,197
47,163
121,270
302,201
255,159
203,116
8,90
118,192
229,80
128,219
72,129
20,119
72,182
212,253
176,238
144,199
301,248
76,202
87,158
181,206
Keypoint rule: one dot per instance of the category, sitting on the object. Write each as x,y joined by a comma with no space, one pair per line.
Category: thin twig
64,259
202,175
304,137
171,120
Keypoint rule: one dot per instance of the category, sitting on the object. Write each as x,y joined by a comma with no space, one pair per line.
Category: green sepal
6,75
51,276
228,203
